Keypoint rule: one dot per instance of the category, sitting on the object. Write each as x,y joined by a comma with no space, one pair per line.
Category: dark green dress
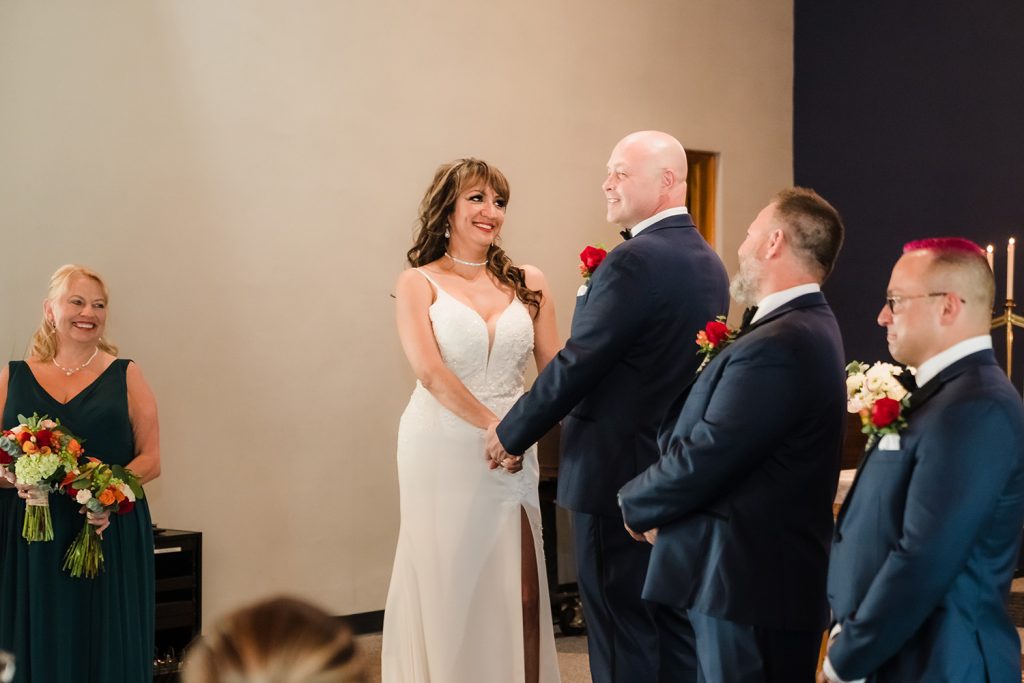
83,630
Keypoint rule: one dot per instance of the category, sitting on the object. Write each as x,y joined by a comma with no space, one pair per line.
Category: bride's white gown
454,609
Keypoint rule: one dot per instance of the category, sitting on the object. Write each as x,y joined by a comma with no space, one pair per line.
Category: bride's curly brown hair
437,206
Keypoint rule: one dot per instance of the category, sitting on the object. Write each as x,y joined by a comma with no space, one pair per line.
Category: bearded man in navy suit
739,506
926,541
630,353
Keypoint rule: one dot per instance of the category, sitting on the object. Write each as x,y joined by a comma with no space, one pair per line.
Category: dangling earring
447,233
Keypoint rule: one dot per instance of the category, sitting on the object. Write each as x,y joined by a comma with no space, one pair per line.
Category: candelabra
1009,320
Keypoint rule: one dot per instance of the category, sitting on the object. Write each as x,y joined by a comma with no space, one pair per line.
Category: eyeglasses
892,301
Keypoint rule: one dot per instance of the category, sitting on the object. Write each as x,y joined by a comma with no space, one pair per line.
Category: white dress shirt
942,360
647,222
776,299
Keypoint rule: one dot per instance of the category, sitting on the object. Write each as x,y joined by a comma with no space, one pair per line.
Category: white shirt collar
647,222
776,299
942,360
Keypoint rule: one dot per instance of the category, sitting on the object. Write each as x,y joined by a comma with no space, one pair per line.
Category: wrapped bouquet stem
38,526
100,488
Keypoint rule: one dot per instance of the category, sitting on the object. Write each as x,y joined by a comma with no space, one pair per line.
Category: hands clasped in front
100,520
497,456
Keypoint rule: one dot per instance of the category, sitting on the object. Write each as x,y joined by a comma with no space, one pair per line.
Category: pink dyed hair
944,244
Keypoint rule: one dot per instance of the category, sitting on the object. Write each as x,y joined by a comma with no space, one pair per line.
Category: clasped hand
650,535
100,520
497,456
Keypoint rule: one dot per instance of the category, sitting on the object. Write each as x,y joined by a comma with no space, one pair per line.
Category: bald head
646,175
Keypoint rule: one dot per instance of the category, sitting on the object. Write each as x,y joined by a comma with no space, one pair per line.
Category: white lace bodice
495,374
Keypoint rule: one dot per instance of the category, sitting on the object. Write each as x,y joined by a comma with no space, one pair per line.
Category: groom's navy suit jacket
742,494
926,542
631,352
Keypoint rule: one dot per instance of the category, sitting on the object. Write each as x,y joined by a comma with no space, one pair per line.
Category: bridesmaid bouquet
42,452
100,488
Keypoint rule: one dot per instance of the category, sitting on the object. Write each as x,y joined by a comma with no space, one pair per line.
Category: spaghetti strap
429,279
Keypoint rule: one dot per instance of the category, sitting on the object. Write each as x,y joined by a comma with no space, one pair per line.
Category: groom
926,542
630,353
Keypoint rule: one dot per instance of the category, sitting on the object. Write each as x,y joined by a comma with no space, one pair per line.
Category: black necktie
626,234
748,315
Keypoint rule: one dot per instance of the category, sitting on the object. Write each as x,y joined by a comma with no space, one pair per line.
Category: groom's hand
635,535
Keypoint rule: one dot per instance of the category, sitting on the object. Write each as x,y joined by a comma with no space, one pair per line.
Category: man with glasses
739,506
926,542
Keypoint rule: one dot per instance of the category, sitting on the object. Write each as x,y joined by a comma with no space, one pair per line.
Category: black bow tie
908,381
748,315
626,234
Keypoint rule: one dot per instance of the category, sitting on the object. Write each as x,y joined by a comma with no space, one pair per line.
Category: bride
465,601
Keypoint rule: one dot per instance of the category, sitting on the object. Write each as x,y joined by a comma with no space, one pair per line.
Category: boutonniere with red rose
590,258
715,336
875,393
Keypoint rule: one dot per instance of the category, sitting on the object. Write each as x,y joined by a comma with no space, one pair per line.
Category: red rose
43,437
125,507
5,458
24,436
592,257
716,332
884,412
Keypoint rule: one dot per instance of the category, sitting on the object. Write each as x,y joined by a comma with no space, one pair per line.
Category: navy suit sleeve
950,497
755,401
619,303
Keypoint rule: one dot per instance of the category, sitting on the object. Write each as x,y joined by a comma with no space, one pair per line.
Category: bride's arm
414,296
545,329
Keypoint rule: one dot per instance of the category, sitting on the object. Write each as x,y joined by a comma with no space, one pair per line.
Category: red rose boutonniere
715,336
590,258
875,393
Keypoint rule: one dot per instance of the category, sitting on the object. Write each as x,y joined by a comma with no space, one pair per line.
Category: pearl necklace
465,263
70,371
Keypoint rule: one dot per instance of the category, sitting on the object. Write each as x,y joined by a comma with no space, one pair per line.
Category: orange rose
106,497
117,493
29,447
74,448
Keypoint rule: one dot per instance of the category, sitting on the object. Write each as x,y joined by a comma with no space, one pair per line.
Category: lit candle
989,251
1010,248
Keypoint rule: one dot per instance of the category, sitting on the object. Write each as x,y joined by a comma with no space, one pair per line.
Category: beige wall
246,175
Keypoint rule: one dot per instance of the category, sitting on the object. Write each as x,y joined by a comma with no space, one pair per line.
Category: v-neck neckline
74,398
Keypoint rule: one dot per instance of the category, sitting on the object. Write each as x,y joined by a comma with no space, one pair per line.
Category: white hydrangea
35,468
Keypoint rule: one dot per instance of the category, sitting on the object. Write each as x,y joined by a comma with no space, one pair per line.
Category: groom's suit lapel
680,221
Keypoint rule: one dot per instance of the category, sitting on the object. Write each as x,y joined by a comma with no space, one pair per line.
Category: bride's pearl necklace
465,263
71,371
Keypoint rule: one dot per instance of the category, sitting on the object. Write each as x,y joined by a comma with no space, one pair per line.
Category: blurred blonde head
280,640
44,341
